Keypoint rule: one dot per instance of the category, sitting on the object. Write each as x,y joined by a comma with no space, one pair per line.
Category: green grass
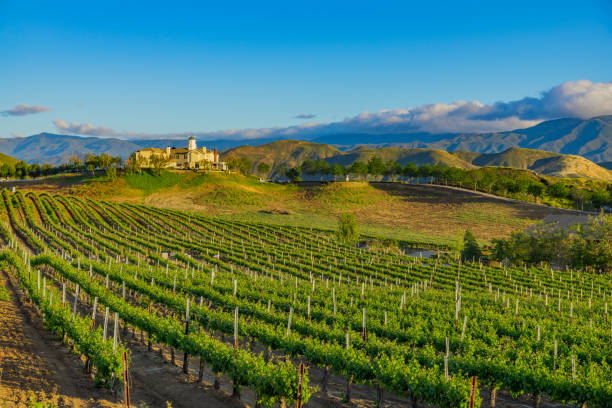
4,294
331,222
149,183
226,196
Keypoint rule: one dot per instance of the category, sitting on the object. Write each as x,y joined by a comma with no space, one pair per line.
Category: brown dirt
35,364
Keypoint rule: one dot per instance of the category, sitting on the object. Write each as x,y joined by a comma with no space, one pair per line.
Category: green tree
92,162
580,196
34,170
338,170
347,229
263,168
536,190
376,166
410,170
558,190
158,162
293,175
5,170
21,169
358,168
46,169
471,250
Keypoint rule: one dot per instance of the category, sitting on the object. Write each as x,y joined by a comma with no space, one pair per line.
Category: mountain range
290,153
589,138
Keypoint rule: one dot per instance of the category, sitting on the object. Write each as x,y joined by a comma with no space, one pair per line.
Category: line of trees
92,163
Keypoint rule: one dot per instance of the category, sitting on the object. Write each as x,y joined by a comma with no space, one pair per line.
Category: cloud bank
305,116
22,110
582,99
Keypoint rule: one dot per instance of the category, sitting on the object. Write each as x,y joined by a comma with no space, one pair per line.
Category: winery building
192,157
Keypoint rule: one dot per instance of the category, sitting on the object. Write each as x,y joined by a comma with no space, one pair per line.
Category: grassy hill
409,212
402,156
6,159
541,162
287,153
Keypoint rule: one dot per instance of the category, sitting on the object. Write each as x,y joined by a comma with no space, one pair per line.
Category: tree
347,229
359,168
558,190
76,162
376,167
579,195
425,171
159,162
471,250
92,162
240,164
47,169
308,166
34,170
410,170
263,168
111,173
337,170
536,190
21,169
6,170
293,175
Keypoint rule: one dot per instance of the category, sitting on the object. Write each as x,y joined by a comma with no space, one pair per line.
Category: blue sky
179,67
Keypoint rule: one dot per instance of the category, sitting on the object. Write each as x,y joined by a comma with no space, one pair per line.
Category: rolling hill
541,162
6,159
402,156
287,153
291,153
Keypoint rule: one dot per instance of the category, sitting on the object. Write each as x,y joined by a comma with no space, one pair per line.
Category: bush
471,250
347,229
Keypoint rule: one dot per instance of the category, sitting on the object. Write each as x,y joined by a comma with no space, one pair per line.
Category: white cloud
22,110
17,134
581,99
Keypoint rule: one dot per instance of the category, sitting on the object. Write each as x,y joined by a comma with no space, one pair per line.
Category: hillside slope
590,138
402,156
287,153
6,159
541,162
383,209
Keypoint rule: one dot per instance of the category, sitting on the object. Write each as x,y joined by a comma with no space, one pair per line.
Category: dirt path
34,363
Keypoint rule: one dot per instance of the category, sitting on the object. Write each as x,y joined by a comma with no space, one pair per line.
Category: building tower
192,144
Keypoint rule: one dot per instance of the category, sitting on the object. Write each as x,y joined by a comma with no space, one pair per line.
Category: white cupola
192,144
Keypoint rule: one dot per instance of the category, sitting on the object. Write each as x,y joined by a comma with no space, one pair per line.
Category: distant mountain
56,149
589,138
541,162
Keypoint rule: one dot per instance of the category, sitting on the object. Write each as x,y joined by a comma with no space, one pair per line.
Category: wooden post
364,333
201,371
186,356
473,381
300,380
126,381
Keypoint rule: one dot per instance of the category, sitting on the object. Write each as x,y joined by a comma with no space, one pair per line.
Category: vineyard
262,305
